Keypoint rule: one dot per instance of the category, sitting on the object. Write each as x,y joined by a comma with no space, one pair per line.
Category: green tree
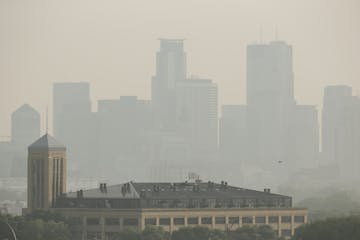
127,234
31,230
46,216
198,233
244,233
265,232
330,229
155,233
262,232
56,231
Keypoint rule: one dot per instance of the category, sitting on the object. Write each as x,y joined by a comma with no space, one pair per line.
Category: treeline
346,228
43,225
262,232
39,226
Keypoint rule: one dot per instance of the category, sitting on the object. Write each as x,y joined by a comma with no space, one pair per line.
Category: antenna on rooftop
47,120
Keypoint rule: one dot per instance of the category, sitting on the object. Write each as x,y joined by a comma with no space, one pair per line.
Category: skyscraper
341,130
25,128
304,137
197,113
70,100
270,99
25,125
73,121
122,127
170,70
233,138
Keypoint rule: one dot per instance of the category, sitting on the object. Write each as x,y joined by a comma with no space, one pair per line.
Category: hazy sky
112,44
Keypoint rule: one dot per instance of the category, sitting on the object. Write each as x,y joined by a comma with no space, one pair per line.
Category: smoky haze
259,93
112,44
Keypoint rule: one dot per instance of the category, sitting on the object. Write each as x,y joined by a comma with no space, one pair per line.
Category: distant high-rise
73,121
46,172
25,125
304,137
270,77
122,127
197,113
341,130
334,105
69,100
170,70
233,134
270,99
25,128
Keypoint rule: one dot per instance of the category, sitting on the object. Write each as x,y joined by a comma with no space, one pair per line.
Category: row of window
193,220
113,221
222,220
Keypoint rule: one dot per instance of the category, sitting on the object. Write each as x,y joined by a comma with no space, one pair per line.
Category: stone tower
46,172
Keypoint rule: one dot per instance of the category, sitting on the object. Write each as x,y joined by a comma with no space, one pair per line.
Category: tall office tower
341,130
305,137
170,69
69,100
25,128
233,134
197,113
73,121
46,172
270,99
122,130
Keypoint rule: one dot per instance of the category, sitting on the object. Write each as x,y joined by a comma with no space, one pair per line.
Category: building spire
47,120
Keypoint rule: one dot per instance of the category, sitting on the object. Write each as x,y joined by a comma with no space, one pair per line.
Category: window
75,221
131,222
112,221
247,220
150,221
234,220
193,220
179,221
299,219
110,235
286,219
220,220
273,219
206,220
164,221
285,233
92,221
93,235
260,219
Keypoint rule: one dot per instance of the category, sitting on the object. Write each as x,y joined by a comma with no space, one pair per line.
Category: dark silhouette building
74,122
270,101
25,128
170,70
341,131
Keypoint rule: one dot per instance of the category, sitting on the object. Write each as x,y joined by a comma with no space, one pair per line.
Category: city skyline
180,129
325,48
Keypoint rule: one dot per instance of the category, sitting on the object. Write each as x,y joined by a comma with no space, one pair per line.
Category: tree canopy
330,229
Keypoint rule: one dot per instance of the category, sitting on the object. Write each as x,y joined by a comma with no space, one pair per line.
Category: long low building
104,211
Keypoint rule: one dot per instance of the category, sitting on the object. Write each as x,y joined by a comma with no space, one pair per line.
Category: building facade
102,212
46,173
